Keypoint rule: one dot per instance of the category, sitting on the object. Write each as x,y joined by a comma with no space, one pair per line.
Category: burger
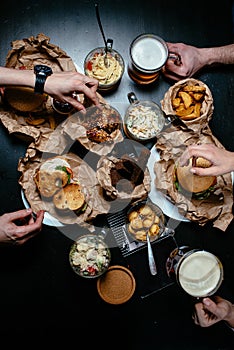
70,197
23,99
200,187
54,174
54,181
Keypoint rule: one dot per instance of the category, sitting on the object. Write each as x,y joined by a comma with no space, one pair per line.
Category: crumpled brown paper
104,166
206,109
27,53
218,207
83,173
73,127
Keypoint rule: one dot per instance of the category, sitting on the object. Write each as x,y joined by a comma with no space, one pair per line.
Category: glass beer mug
198,272
148,54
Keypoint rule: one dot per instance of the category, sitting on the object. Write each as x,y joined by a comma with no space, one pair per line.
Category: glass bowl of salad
143,120
89,256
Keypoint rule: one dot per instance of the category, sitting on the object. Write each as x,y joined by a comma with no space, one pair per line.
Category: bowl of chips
145,217
89,256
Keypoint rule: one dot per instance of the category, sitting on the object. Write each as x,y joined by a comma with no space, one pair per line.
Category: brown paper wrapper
216,208
27,53
206,109
74,128
83,173
104,166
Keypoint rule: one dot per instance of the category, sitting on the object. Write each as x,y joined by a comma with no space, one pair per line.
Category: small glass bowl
89,256
143,120
62,107
144,216
107,68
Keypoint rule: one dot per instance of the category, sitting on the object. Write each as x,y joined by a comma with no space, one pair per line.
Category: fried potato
197,109
197,96
182,111
187,99
194,88
176,102
52,122
35,122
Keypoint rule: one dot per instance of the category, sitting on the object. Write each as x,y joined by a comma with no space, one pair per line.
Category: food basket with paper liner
23,113
191,100
217,207
98,130
57,189
124,177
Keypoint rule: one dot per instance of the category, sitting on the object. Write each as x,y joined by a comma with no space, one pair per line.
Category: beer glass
198,272
148,54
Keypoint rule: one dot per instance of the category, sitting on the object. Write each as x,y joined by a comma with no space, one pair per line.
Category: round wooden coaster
117,285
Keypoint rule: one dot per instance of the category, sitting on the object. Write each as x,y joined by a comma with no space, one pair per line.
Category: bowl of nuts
145,217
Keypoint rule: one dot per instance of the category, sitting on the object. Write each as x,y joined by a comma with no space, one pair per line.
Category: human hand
190,60
222,161
19,226
62,86
209,312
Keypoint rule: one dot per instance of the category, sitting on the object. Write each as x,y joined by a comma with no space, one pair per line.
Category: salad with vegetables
90,256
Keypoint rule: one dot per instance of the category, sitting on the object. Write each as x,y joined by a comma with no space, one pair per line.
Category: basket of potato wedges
191,100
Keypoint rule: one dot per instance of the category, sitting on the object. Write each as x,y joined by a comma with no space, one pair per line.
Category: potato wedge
187,99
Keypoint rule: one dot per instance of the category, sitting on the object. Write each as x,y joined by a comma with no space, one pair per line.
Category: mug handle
175,57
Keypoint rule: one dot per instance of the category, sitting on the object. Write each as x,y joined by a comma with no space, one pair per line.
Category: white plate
157,197
48,219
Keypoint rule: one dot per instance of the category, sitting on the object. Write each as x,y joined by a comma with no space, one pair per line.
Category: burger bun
191,182
23,99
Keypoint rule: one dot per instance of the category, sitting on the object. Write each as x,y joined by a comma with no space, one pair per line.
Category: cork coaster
117,285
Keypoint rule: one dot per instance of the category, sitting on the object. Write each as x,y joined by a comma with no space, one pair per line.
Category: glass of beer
148,54
198,272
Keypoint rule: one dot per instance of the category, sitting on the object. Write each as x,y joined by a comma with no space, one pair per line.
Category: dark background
42,302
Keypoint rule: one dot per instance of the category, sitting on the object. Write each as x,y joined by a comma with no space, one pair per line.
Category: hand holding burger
222,161
187,182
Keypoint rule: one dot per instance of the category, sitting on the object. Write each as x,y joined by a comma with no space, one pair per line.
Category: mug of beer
198,272
148,54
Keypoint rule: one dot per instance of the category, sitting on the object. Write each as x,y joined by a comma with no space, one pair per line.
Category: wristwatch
42,72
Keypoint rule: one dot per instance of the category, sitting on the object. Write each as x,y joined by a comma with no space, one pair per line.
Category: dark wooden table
41,300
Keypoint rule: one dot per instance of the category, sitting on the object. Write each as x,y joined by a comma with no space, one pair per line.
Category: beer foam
149,53
200,274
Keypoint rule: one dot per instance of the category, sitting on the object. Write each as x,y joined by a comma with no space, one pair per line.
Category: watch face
43,69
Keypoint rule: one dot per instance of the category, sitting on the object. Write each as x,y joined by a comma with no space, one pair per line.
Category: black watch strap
42,72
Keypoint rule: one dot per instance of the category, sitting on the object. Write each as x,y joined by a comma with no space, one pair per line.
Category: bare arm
192,59
59,85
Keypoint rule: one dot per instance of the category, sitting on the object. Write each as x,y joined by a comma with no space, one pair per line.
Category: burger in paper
55,180
65,186
200,187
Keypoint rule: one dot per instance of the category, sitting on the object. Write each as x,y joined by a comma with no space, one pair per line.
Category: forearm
218,55
9,76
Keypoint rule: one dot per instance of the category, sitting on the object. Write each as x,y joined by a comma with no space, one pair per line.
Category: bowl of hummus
107,67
